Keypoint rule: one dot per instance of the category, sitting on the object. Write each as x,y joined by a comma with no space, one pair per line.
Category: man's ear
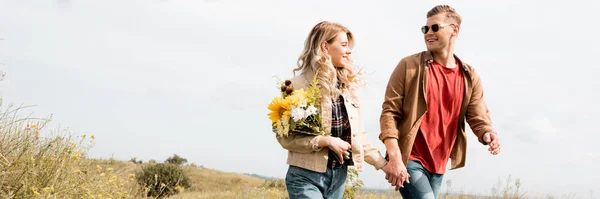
455,30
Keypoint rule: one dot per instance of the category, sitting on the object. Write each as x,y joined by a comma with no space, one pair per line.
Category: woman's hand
337,145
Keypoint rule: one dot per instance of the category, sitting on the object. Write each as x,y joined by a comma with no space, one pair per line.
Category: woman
314,171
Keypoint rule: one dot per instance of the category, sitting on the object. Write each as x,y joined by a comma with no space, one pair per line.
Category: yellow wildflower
297,97
77,154
98,167
102,175
35,191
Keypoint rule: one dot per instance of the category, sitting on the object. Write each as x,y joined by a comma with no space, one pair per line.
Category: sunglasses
434,28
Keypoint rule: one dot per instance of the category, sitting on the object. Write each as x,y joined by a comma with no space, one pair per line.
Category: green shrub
353,184
176,159
163,180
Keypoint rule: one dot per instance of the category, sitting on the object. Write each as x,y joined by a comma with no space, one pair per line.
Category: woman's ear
324,46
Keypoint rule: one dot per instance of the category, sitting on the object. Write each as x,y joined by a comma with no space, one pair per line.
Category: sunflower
277,107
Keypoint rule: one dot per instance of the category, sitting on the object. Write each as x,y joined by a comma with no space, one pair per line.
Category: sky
153,78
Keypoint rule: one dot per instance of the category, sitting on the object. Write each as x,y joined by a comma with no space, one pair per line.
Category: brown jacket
404,106
302,154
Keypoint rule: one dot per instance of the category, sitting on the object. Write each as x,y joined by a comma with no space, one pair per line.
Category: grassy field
211,183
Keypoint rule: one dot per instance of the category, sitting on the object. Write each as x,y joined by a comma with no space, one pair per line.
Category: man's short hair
451,14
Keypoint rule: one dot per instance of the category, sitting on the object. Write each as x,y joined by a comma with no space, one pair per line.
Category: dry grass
53,165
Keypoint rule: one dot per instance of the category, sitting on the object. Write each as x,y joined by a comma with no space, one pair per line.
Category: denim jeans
423,184
303,183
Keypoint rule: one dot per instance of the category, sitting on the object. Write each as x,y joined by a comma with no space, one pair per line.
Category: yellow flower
35,192
278,106
78,154
102,175
98,167
297,97
93,137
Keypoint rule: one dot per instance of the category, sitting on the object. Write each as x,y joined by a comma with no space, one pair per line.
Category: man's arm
478,114
392,103
391,114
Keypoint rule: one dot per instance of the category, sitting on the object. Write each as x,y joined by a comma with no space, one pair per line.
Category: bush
353,184
135,160
278,184
176,159
38,164
163,180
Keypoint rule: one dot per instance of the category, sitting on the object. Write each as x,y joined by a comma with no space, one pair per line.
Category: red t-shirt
439,127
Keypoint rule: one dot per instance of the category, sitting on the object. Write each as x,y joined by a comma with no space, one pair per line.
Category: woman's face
339,51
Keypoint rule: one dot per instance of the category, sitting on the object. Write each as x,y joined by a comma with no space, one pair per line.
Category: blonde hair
313,58
449,11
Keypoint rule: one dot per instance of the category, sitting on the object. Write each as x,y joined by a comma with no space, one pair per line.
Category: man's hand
492,140
396,174
395,171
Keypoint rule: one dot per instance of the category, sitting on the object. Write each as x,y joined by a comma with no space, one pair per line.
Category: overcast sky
150,78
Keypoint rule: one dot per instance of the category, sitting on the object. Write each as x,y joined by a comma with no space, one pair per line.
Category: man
428,98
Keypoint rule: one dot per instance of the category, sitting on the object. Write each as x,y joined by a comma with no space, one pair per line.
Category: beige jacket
300,147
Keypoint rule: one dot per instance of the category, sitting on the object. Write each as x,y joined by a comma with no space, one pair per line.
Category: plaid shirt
340,127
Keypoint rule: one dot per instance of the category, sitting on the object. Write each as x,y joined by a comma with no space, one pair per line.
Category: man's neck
445,57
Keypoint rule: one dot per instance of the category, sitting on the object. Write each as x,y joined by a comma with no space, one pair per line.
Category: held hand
492,140
396,174
339,147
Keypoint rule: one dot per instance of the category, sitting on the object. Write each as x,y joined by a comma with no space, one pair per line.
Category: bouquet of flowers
296,110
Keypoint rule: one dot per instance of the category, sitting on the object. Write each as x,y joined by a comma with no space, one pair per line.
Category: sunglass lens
424,29
435,27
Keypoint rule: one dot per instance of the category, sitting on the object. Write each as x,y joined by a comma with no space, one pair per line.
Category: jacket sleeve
299,143
392,103
478,114
372,155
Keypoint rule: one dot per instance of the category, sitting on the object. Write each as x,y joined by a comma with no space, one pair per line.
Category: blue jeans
303,183
423,184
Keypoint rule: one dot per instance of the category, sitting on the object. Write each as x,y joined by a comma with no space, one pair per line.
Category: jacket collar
428,58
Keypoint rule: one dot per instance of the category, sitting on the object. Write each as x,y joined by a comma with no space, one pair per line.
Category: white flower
302,104
297,113
311,110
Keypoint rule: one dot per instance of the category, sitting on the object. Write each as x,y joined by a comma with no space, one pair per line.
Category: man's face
439,33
